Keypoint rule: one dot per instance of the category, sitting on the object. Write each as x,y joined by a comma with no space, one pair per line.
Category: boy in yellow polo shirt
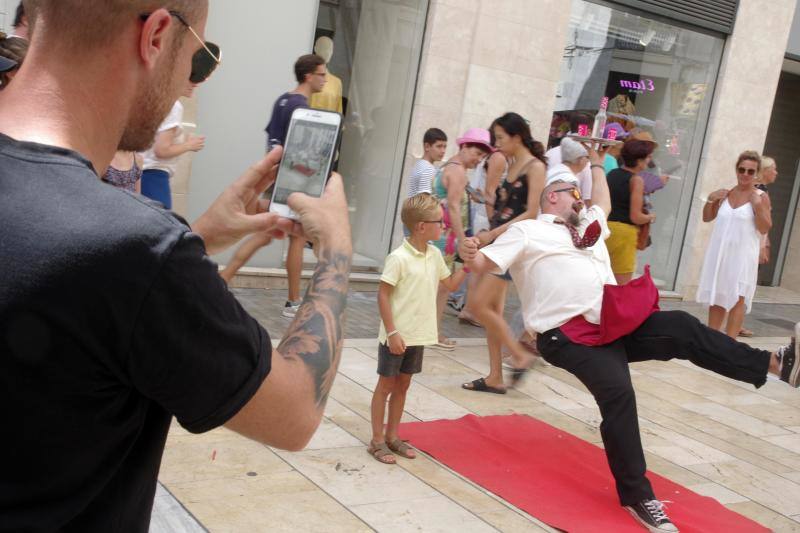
407,304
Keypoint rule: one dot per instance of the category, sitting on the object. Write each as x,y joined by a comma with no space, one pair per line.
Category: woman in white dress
730,269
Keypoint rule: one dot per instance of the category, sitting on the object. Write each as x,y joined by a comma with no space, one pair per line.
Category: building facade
707,80
701,81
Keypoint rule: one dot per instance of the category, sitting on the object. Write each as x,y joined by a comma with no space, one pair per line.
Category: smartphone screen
307,156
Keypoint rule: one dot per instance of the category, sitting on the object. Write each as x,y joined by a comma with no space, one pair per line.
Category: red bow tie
590,236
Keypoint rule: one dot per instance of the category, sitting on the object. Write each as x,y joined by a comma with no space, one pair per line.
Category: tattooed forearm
315,335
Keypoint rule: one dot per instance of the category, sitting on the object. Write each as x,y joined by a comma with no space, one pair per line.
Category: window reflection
658,79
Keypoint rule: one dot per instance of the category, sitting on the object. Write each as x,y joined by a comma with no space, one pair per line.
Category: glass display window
658,80
373,50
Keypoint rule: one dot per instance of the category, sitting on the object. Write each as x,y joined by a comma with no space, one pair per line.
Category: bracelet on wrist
595,165
393,332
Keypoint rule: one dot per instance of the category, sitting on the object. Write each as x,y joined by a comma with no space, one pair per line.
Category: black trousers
604,371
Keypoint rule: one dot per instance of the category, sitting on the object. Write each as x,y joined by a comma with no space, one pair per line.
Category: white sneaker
290,309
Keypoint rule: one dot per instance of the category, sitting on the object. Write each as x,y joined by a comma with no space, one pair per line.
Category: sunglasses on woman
205,60
748,171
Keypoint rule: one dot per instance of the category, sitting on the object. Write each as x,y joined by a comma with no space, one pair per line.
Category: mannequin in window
330,98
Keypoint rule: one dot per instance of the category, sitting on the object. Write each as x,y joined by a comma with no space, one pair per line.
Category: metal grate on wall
716,15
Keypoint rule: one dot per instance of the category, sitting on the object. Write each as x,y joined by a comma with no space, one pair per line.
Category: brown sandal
400,448
381,453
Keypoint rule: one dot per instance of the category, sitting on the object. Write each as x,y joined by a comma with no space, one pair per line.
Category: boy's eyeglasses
575,192
440,221
748,171
204,61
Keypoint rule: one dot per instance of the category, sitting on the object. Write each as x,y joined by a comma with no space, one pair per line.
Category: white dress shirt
556,281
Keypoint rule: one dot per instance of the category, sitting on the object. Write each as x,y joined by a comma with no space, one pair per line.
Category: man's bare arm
288,406
601,196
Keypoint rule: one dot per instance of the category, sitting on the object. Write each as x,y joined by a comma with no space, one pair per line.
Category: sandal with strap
381,453
400,448
479,385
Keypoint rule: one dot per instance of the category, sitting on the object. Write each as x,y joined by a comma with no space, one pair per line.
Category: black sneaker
650,513
788,356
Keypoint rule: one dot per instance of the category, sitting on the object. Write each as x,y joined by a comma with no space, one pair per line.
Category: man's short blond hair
91,24
419,208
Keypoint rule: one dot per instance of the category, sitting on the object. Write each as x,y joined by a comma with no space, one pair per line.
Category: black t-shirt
112,320
282,111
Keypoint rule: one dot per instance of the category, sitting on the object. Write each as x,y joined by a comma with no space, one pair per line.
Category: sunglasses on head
205,60
440,221
748,171
575,192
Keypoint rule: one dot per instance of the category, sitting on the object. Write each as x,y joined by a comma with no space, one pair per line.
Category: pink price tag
612,134
583,130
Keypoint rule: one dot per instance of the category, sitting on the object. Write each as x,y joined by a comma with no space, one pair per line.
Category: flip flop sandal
744,332
400,448
479,385
470,321
380,452
445,344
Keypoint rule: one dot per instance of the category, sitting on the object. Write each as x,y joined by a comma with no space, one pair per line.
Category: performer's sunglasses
575,192
748,171
205,60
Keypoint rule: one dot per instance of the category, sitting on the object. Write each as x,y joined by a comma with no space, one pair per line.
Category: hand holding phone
325,221
308,153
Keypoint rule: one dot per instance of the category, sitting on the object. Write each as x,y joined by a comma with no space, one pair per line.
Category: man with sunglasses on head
592,328
113,319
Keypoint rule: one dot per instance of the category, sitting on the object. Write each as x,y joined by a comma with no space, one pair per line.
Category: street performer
592,328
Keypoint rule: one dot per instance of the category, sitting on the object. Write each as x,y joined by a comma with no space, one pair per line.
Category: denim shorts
390,365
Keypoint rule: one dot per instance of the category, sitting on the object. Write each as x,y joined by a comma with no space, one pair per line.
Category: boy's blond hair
418,208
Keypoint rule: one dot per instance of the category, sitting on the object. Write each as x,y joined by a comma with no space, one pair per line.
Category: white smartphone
307,157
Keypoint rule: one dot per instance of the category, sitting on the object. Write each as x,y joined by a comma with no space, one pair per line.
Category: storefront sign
645,85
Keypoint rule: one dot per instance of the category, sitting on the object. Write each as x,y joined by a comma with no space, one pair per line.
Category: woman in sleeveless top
730,270
488,176
517,199
627,201
125,171
449,185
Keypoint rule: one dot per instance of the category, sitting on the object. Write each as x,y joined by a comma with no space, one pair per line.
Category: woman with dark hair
13,49
449,186
517,198
486,178
627,207
730,270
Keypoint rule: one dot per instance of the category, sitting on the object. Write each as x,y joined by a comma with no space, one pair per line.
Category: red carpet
560,479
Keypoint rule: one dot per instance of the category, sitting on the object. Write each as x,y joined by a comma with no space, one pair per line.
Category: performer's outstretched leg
604,371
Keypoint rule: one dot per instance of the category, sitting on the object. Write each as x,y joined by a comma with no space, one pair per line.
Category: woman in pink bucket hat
449,185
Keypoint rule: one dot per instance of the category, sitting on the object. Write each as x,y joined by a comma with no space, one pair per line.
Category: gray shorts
390,365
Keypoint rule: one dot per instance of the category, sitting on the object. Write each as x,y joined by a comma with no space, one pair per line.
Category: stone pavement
715,436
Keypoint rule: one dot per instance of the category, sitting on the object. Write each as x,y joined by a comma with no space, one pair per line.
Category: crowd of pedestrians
113,319
565,227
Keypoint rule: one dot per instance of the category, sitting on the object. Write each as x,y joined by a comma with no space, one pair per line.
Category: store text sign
641,85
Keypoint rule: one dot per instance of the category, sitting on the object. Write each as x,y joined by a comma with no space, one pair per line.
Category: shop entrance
781,144
373,50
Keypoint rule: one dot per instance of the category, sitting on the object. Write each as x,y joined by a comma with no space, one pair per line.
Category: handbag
643,239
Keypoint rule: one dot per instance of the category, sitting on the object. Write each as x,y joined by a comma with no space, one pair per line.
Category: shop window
659,79
373,49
